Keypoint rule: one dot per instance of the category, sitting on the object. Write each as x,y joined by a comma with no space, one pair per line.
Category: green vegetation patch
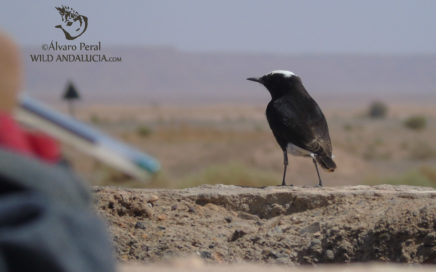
423,176
416,122
144,131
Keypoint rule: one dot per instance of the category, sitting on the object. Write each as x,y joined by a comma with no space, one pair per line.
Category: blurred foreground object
35,144
12,137
86,139
10,73
71,94
47,222
46,219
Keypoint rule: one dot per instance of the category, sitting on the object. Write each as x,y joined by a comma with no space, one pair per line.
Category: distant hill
166,75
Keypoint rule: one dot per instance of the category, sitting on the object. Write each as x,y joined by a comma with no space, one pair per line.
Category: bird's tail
326,162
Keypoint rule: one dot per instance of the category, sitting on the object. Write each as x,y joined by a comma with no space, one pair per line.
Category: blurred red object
36,144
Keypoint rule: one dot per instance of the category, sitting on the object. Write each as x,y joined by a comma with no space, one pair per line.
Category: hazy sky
275,26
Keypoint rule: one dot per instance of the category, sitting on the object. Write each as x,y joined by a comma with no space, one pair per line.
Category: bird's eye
69,23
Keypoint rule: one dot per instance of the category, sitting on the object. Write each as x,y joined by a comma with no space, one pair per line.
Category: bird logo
73,24
296,120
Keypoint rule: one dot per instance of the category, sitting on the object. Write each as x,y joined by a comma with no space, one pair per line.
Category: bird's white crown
284,73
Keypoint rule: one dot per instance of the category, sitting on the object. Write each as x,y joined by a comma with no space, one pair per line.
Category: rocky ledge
281,225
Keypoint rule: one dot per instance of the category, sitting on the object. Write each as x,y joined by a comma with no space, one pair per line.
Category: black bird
296,120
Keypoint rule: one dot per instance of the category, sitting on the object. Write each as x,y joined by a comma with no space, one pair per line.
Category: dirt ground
233,144
193,265
272,225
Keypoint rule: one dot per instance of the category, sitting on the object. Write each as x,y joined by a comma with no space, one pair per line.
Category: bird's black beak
255,79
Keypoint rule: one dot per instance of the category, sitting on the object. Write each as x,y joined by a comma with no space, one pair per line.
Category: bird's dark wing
299,121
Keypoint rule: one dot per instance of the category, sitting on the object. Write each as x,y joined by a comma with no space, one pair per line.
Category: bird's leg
317,171
285,165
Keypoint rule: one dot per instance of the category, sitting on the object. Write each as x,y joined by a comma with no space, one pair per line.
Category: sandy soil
193,265
272,225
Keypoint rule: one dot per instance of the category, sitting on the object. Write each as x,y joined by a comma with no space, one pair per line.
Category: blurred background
180,92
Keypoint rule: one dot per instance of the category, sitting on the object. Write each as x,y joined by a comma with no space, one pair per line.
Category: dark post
70,95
